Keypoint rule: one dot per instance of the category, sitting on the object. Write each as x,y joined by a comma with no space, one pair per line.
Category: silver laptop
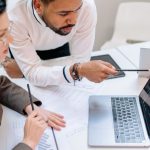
144,62
120,121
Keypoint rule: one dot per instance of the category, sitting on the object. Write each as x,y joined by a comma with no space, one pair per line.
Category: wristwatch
74,72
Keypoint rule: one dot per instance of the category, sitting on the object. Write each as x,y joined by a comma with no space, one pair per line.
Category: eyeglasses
7,38
4,42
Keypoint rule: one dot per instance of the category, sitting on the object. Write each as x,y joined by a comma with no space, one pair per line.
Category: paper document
12,128
47,141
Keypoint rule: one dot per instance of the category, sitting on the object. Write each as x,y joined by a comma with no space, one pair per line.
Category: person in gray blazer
16,98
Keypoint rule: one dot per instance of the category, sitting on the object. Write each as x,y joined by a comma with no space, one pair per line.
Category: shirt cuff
67,73
22,146
35,101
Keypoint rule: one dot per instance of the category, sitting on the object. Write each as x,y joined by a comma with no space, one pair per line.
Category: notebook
120,121
109,59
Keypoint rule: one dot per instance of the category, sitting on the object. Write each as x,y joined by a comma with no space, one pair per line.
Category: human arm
22,146
12,68
17,99
53,119
95,71
13,96
33,131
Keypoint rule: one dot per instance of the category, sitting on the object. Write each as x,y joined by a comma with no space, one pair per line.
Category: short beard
60,30
56,30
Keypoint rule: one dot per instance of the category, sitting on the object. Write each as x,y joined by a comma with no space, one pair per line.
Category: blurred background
107,10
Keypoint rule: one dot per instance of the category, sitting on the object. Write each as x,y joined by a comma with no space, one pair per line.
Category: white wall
106,16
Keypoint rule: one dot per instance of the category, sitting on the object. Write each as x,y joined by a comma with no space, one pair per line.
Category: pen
132,70
30,97
55,138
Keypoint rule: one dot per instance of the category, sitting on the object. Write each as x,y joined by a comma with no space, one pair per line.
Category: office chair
132,24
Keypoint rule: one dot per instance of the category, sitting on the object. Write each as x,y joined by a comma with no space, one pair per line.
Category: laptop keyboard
127,124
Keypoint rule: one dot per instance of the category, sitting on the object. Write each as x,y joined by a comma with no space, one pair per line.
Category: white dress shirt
30,34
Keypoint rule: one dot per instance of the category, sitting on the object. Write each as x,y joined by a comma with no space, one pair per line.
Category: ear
38,6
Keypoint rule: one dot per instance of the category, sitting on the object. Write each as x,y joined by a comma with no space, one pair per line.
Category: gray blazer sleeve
22,146
13,96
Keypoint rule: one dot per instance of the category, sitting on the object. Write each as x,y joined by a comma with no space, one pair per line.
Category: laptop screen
145,94
145,105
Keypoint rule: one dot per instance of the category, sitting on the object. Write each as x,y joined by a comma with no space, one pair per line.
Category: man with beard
43,28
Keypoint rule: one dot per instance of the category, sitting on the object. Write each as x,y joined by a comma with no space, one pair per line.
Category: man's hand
12,68
96,70
34,129
54,120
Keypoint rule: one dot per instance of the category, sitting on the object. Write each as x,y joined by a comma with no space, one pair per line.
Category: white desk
72,102
132,52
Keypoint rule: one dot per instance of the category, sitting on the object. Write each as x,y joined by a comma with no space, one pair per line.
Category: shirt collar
35,14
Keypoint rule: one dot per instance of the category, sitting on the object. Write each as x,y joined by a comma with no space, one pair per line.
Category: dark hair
47,1
2,6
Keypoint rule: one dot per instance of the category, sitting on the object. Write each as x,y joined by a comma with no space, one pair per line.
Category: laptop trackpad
100,121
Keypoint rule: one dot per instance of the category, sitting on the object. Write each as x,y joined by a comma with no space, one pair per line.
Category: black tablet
109,59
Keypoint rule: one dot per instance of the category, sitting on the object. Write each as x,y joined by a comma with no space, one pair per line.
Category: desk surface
132,52
75,99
